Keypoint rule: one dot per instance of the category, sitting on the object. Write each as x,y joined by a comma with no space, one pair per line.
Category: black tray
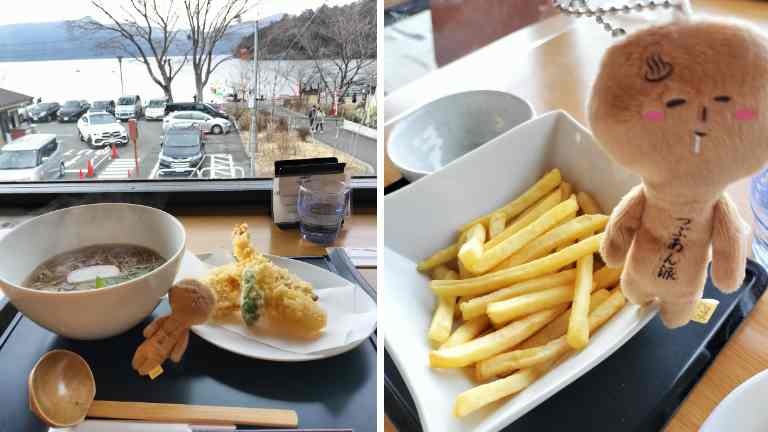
338,392
638,388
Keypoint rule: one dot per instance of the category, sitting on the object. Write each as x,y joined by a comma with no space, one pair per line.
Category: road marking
71,161
117,169
154,170
68,152
83,151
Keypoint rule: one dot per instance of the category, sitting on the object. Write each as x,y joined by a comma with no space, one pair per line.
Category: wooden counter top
555,70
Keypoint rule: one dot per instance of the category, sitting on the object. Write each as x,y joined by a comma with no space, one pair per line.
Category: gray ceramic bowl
433,135
98,313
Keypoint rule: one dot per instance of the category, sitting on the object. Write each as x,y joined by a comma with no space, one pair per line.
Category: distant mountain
56,41
281,39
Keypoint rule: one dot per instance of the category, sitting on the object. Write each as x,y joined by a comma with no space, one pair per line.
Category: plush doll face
685,103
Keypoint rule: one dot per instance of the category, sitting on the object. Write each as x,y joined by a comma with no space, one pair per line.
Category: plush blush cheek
745,114
654,116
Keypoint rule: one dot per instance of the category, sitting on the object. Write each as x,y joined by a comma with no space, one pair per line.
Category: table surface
206,233
560,61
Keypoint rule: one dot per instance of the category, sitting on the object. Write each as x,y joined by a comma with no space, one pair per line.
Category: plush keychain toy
192,303
683,105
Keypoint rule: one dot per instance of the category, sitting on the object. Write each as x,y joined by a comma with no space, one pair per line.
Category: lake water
98,79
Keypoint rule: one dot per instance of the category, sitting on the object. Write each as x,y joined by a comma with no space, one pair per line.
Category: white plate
320,279
423,217
743,409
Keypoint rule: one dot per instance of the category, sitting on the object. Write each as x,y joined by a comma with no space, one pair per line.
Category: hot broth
130,261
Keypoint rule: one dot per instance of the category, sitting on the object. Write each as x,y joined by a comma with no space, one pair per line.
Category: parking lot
227,157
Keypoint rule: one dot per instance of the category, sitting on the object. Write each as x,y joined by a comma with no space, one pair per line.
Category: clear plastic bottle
758,198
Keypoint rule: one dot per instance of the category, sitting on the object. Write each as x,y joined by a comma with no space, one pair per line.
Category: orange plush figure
685,106
192,303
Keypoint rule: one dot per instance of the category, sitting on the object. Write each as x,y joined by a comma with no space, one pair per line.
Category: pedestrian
312,114
320,121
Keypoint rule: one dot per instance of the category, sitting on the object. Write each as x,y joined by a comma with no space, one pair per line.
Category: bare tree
343,46
145,30
209,22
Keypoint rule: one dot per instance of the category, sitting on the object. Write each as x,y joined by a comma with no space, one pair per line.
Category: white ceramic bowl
431,136
423,218
99,313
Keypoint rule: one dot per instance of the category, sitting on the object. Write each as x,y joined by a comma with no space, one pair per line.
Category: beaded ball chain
579,8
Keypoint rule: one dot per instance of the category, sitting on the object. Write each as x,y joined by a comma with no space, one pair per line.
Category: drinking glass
322,204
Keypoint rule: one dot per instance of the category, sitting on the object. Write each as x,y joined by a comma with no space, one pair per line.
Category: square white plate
424,216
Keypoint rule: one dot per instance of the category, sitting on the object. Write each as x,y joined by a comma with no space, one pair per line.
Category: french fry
578,327
492,343
546,184
526,218
477,305
562,235
534,350
467,331
442,272
496,224
482,395
473,240
587,204
479,261
566,189
559,326
507,310
442,320
438,258
493,281
478,397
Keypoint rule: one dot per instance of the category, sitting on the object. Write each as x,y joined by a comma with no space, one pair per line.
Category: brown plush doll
685,106
192,303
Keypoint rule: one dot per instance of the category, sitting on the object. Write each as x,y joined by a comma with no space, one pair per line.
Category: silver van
129,107
32,157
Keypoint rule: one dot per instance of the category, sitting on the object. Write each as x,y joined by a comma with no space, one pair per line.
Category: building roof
10,98
29,142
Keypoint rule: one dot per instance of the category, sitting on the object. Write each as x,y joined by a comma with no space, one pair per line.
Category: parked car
155,109
196,106
71,111
103,106
205,122
44,111
32,157
182,150
101,129
129,107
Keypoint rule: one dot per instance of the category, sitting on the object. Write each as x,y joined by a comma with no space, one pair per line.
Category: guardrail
358,129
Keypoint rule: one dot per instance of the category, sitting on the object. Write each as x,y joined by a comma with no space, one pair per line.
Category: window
18,159
81,64
48,150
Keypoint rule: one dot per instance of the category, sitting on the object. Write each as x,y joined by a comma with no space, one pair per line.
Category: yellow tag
704,310
154,373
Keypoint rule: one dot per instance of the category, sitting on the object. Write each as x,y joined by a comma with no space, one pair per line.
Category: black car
195,106
103,106
43,112
72,110
182,151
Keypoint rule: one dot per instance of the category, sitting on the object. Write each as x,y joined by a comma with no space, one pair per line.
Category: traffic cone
114,152
81,174
90,168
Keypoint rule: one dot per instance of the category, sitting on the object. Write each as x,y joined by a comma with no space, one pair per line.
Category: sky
57,10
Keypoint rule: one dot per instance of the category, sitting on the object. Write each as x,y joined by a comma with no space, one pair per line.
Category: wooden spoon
62,389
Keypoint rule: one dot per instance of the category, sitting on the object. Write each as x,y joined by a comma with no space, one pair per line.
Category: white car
101,129
204,121
32,157
155,110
